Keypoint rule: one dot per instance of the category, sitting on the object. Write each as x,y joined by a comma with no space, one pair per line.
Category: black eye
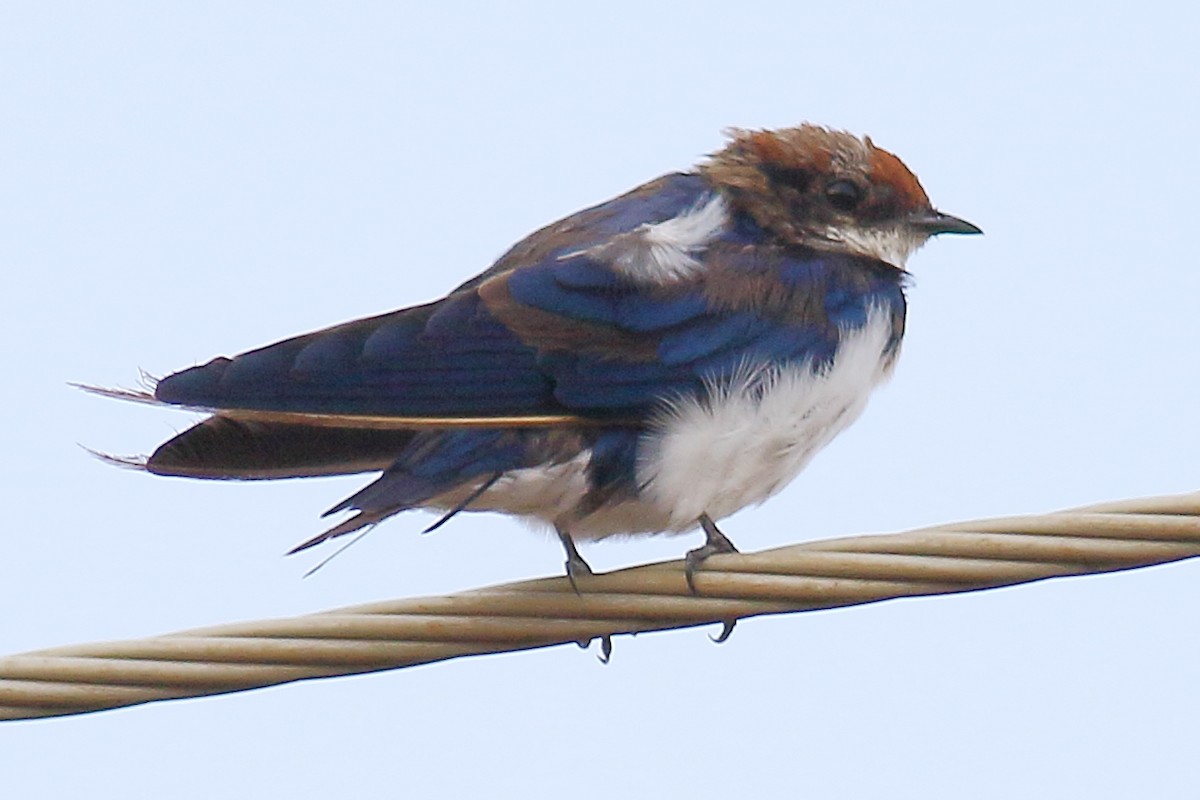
843,195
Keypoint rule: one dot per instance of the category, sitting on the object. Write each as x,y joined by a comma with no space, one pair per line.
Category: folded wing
555,335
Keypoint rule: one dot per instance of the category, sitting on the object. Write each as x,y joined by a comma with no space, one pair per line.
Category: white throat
892,244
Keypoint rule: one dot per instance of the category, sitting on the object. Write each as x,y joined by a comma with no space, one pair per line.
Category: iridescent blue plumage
449,358
733,305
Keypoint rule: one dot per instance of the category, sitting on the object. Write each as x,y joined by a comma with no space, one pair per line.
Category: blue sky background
179,181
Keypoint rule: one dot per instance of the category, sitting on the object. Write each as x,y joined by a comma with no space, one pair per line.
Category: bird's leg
576,566
714,543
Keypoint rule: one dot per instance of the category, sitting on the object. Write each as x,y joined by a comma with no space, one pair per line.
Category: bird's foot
715,543
577,568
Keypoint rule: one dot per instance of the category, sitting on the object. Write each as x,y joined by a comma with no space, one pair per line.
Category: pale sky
181,181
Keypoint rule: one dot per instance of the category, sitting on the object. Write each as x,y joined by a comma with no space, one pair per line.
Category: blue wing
563,338
613,347
448,359
553,337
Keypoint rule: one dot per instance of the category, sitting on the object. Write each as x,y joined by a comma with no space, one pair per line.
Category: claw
714,543
605,649
605,653
727,627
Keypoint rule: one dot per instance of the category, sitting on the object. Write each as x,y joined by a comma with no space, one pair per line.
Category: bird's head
831,190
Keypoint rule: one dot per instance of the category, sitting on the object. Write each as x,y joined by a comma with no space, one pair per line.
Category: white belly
743,444
754,438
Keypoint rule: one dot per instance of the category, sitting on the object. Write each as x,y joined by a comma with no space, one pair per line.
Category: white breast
741,445
755,435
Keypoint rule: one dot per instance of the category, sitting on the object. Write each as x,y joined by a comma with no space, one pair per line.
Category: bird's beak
933,222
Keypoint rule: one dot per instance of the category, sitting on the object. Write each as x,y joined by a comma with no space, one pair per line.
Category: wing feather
553,336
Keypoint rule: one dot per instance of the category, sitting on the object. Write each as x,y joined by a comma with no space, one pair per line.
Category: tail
236,449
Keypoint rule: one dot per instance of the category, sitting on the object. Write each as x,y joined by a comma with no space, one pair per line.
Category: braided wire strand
824,574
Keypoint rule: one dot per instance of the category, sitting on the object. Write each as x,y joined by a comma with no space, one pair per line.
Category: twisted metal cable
518,616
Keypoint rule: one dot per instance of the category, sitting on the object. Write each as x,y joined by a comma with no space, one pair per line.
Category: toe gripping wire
519,616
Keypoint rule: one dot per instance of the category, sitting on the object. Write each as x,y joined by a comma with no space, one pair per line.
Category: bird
649,365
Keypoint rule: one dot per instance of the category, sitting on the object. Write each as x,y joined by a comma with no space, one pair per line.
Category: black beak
933,222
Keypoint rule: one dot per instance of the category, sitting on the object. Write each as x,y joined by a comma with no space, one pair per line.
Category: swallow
649,365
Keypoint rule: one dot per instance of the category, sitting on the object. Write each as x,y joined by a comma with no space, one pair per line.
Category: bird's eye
843,195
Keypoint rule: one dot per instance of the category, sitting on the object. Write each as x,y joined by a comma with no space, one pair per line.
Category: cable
519,616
